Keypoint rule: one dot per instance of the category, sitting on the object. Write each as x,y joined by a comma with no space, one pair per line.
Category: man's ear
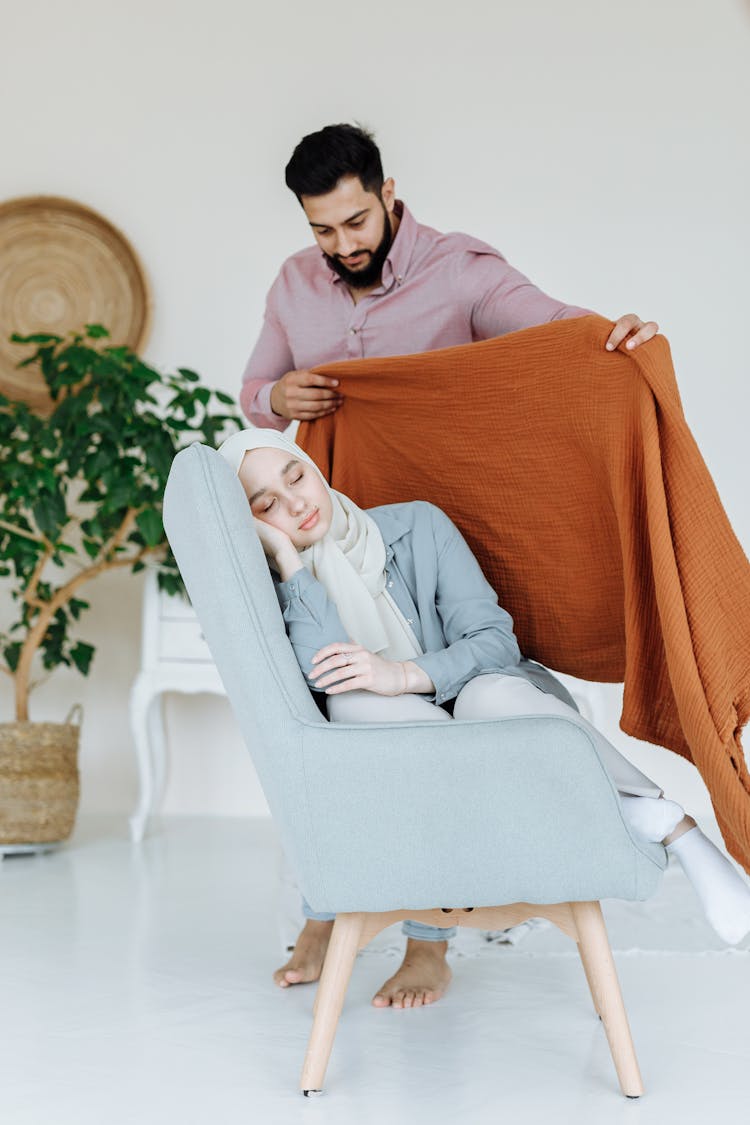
388,193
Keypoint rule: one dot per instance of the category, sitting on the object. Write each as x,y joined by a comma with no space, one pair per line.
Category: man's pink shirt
437,290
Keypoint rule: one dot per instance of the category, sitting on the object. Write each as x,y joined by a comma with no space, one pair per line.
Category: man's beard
369,274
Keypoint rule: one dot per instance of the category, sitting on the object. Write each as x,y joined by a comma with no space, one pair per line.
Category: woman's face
287,493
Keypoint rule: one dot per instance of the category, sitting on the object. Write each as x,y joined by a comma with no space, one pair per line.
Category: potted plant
80,494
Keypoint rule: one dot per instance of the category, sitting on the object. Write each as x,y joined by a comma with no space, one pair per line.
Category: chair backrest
210,529
387,816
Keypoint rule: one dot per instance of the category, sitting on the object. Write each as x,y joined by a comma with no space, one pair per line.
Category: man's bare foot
422,978
306,962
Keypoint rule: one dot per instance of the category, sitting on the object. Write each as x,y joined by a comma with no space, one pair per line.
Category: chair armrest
460,813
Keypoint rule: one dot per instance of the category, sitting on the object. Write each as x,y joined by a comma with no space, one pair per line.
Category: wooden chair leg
334,980
601,974
589,979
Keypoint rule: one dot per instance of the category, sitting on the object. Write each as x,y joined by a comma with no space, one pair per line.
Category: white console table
174,657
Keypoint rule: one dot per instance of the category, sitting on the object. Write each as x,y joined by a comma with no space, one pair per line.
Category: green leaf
52,643
81,654
107,397
79,361
96,331
12,654
225,398
119,353
93,527
49,513
36,338
150,527
171,583
75,605
191,376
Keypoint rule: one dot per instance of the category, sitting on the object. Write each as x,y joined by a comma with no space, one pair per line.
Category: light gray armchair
343,796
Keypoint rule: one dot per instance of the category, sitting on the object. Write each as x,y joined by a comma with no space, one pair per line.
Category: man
384,285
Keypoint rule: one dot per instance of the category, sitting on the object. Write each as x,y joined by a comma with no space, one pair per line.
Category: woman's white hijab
349,560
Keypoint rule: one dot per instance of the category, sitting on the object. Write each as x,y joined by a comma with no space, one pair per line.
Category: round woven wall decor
62,266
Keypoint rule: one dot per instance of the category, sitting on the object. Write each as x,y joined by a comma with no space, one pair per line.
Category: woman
392,619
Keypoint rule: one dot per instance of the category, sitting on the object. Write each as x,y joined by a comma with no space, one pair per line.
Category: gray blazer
439,587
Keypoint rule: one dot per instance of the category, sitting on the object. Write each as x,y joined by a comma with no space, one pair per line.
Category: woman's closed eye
270,503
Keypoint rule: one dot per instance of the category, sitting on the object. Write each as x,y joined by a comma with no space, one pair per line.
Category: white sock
723,893
653,818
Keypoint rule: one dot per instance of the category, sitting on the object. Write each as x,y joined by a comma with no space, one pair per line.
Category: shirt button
353,331
399,279
410,621
390,584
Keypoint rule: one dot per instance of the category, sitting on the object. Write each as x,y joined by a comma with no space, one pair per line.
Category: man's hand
305,396
630,323
349,667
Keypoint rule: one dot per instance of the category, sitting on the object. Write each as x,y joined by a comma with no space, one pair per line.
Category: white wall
602,147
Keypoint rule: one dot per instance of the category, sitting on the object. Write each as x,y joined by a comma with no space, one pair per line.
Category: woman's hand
346,667
278,548
273,541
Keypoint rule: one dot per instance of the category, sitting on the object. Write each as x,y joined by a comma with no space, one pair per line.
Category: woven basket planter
38,782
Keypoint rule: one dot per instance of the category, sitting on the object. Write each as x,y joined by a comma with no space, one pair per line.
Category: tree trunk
22,674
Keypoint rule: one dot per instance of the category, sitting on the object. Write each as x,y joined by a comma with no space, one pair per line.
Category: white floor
135,989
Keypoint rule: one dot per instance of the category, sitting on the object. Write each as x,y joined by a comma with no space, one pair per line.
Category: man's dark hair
321,159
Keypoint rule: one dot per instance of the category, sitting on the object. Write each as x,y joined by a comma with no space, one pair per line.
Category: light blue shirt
438,585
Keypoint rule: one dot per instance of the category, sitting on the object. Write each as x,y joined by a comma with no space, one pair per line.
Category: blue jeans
412,929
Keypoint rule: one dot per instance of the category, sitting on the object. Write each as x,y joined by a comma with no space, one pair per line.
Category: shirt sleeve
479,633
310,618
271,358
504,300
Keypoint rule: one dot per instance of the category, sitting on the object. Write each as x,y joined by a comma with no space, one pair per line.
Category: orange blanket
574,477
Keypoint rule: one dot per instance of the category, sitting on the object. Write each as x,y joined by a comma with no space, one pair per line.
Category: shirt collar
400,254
391,528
